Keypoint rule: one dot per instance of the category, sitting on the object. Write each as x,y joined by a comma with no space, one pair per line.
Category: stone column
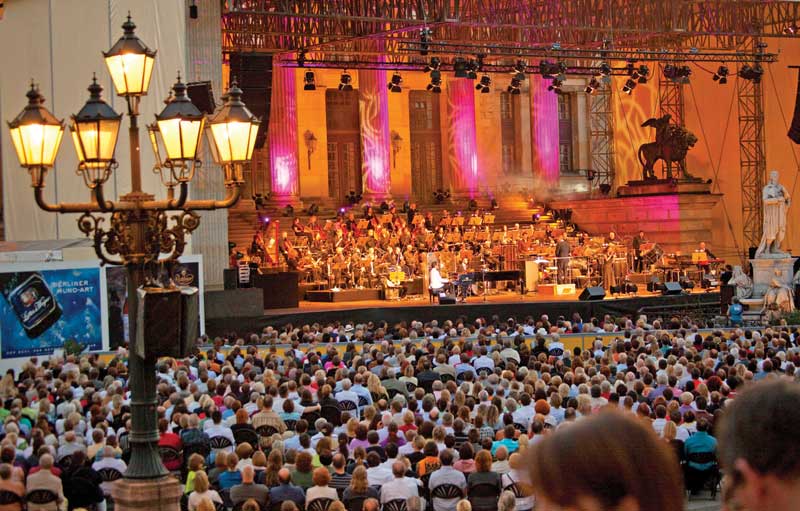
204,62
462,147
373,102
544,132
284,171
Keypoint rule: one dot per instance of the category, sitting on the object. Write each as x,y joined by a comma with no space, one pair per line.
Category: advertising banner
42,307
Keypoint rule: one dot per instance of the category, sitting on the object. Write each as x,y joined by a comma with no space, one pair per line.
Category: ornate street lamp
36,136
138,230
178,130
232,135
94,134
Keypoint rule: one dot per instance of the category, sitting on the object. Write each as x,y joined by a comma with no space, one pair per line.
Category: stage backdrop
187,272
45,305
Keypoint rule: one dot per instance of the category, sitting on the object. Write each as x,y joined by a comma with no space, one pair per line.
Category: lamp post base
163,494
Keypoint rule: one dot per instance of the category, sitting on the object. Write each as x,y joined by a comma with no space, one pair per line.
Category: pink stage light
375,135
284,173
544,131
463,140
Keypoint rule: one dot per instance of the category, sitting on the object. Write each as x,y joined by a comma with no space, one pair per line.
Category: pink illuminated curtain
462,150
544,131
283,134
375,134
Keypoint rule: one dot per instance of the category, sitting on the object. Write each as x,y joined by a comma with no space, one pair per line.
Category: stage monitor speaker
672,288
202,96
447,299
592,293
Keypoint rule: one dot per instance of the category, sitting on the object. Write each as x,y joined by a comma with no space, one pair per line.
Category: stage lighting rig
460,67
550,69
301,57
641,74
514,86
555,86
484,86
752,73
434,65
630,84
395,83
519,70
346,81
678,74
436,82
592,86
721,76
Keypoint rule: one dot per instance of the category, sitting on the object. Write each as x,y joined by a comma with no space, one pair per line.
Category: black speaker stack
592,293
253,72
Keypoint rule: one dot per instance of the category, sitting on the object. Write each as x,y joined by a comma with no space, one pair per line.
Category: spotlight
592,86
555,86
721,75
301,58
193,10
313,209
436,82
395,82
260,200
550,69
288,210
264,219
424,41
434,65
346,81
630,68
460,67
484,85
353,198
473,66
513,87
630,84
309,81
642,74
752,73
519,70
678,74
341,211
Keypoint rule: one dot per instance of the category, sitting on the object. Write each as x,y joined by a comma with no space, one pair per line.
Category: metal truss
289,25
752,159
601,132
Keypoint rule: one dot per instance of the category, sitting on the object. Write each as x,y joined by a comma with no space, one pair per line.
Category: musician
463,287
298,228
436,281
412,210
704,263
706,251
488,256
563,252
611,238
609,275
638,260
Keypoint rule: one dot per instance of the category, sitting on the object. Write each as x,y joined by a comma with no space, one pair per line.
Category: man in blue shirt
735,311
701,456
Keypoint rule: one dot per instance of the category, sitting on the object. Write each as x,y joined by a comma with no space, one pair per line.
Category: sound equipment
158,323
230,278
592,293
445,299
687,284
671,288
190,319
281,290
254,76
202,96
655,287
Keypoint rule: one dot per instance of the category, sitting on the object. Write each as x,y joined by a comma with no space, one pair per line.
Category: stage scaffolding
601,125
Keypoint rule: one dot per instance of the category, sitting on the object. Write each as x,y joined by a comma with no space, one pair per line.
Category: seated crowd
415,416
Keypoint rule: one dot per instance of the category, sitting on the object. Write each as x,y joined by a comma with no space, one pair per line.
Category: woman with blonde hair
376,389
202,490
359,490
408,376
669,435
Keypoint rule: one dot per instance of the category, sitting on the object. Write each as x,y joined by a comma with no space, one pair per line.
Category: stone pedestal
149,494
764,271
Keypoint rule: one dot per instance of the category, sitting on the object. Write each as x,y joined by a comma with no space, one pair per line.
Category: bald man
249,489
286,490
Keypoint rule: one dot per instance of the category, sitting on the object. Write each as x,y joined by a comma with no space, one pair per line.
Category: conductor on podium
563,251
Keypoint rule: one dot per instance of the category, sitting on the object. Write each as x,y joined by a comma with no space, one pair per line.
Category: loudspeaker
446,299
190,319
655,287
671,288
254,76
158,323
230,278
592,293
202,96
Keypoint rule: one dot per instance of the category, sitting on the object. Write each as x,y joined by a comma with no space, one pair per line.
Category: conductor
563,252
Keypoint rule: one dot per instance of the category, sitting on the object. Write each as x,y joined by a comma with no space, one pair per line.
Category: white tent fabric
58,44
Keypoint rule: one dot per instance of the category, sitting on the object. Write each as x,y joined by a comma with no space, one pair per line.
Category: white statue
776,206
744,286
779,296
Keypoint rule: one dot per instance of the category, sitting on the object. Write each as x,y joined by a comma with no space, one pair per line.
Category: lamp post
137,230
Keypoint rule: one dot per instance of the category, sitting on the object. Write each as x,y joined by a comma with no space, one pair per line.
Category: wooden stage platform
419,308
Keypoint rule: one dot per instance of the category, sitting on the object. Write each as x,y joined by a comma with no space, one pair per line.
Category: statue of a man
779,294
744,286
776,205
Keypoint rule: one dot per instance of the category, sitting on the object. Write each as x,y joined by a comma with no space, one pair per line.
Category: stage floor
419,308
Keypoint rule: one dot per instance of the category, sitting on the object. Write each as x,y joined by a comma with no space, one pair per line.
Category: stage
420,308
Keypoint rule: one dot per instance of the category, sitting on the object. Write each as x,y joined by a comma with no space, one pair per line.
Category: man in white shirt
483,361
400,486
377,475
109,460
436,280
346,394
446,474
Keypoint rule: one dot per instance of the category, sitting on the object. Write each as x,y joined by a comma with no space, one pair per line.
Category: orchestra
390,249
